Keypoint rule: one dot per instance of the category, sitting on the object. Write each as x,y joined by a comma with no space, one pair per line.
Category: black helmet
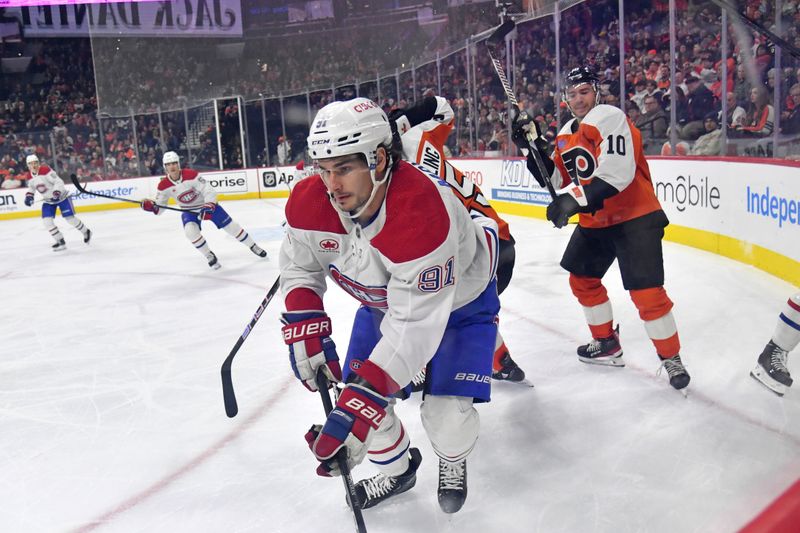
579,76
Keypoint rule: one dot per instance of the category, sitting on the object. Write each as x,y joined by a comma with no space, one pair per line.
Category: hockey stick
231,408
493,43
78,186
341,459
783,43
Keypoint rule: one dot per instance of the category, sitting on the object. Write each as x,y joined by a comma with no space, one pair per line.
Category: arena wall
744,209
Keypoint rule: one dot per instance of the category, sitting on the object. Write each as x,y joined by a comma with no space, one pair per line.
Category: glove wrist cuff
577,192
306,329
377,379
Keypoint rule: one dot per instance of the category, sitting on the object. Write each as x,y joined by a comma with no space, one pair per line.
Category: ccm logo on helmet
363,106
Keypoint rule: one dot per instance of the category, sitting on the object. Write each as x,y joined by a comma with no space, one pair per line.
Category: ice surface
112,416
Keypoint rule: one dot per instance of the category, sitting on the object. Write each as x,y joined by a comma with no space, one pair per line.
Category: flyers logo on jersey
188,196
579,162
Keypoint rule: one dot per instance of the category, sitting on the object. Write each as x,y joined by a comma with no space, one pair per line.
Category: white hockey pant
452,425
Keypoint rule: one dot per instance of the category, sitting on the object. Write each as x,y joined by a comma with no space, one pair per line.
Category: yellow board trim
762,258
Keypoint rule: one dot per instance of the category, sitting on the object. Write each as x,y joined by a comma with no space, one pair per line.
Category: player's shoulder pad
606,119
309,207
44,170
188,174
566,129
417,221
164,183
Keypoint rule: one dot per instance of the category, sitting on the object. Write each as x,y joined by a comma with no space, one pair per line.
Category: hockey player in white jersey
191,191
423,130
46,182
771,369
397,240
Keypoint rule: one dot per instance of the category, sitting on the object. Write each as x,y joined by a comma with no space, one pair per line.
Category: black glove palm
561,208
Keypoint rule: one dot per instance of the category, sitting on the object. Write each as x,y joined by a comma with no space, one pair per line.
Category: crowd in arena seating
150,92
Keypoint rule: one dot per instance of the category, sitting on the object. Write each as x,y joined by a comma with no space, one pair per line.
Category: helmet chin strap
352,215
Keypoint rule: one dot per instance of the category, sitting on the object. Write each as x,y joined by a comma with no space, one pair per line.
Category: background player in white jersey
191,191
46,182
599,161
423,130
771,369
397,240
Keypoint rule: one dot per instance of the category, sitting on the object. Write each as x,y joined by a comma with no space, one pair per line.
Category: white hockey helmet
33,158
170,157
357,126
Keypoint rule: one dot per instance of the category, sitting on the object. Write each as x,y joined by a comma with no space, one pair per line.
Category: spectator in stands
698,102
736,113
790,119
760,118
284,151
710,143
653,125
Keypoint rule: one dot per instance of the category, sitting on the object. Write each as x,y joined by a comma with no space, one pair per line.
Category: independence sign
176,18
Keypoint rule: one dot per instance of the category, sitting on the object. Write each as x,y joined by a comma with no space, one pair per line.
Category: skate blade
762,377
59,249
216,267
617,361
525,382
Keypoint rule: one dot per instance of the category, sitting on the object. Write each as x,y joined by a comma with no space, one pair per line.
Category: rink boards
745,209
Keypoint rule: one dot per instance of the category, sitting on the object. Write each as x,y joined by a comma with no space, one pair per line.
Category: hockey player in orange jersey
599,166
423,131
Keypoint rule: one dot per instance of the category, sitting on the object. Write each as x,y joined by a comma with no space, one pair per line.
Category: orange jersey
606,145
424,144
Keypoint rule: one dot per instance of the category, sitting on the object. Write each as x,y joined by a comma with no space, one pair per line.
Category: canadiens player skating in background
401,243
424,129
599,161
46,182
771,369
191,191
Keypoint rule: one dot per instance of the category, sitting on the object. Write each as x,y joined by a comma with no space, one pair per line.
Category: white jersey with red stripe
424,144
47,183
189,192
420,258
607,146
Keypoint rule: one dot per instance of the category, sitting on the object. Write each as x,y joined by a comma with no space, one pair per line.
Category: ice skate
256,249
60,245
505,369
87,236
771,369
372,491
678,376
452,490
212,261
605,351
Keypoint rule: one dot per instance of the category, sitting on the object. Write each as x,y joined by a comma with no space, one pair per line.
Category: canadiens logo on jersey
188,197
42,188
369,296
579,162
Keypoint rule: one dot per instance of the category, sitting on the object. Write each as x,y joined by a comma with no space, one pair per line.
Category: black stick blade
228,396
496,40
